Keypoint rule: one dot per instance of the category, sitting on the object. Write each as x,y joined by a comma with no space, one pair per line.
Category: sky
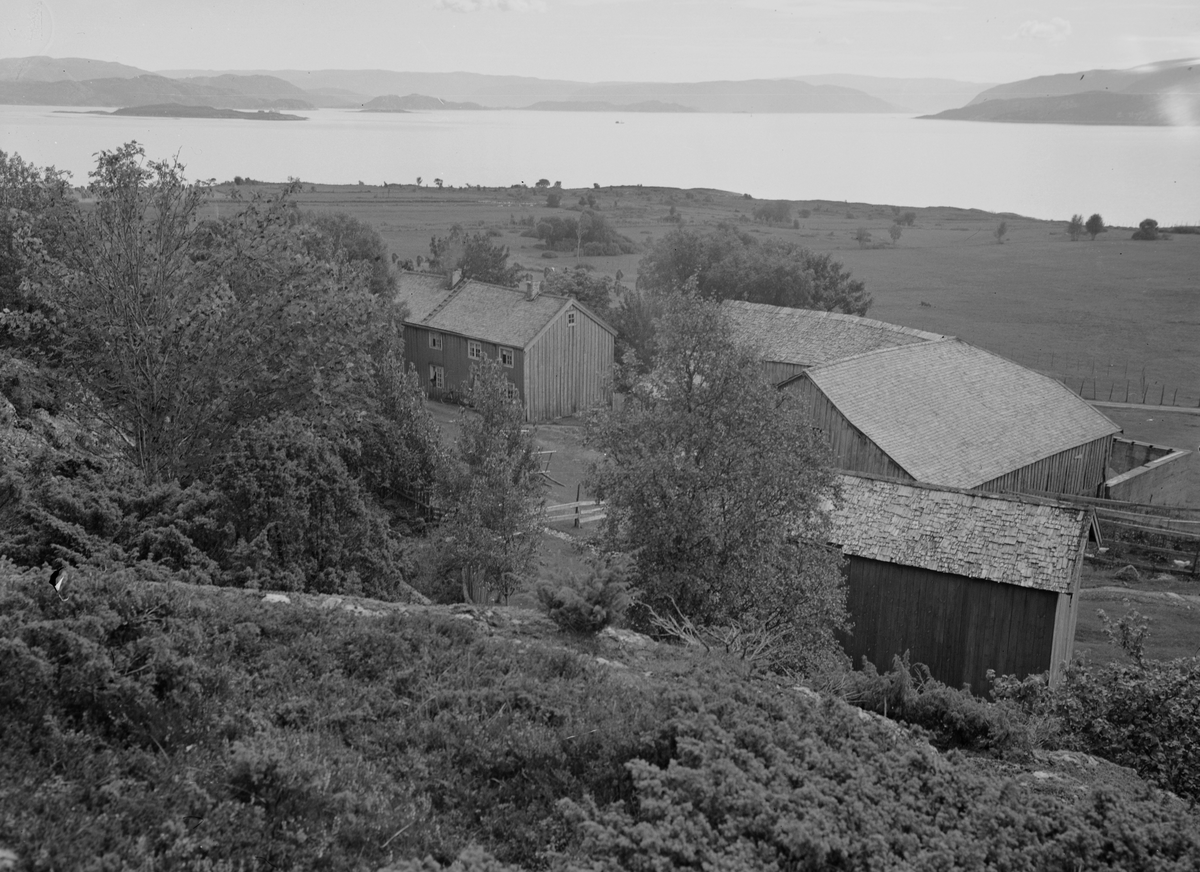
614,40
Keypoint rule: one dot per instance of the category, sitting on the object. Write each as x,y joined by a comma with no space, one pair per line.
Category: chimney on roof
453,277
531,290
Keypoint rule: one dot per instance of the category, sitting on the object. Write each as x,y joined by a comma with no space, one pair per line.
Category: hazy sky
599,40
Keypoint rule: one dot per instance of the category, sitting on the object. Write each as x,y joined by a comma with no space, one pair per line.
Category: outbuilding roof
952,414
810,338
478,310
1016,540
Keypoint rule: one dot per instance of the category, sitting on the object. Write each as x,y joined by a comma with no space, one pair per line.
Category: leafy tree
1000,231
908,219
475,255
895,231
635,316
1095,226
862,237
728,265
342,235
542,183
554,199
1075,227
715,484
1147,230
492,486
179,332
438,182
775,211
595,292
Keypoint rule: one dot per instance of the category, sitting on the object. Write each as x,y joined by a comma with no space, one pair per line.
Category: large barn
963,581
558,355
790,341
948,413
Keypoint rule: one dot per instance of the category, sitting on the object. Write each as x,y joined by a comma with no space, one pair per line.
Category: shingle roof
810,338
955,415
1015,540
421,291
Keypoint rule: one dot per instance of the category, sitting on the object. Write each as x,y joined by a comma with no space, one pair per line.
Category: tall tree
180,331
342,235
492,486
475,255
716,484
1095,226
1075,227
728,264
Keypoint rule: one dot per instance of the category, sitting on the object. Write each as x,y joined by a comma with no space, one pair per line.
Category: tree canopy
1095,226
475,255
716,485
729,265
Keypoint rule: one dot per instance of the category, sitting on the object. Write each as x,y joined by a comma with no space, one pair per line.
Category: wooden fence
580,512
1169,532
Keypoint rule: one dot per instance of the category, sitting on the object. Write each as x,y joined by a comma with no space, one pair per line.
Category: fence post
578,497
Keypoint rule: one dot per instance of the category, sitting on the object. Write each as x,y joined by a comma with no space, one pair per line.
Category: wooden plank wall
452,356
852,450
568,368
777,372
1080,471
959,627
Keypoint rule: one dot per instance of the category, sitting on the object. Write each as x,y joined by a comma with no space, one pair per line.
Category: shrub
1147,230
587,605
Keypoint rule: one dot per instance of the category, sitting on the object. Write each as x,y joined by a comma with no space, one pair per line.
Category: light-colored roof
809,338
421,291
955,415
478,310
1015,540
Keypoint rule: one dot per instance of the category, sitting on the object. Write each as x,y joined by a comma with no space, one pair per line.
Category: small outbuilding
947,413
790,341
963,581
558,355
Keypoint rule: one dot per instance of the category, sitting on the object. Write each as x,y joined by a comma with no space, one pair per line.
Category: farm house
946,413
964,581
557,353
790,341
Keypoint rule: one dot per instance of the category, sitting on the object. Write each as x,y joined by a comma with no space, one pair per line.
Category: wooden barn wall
777,372
959,627
852,450
452,357
1080,471
568,368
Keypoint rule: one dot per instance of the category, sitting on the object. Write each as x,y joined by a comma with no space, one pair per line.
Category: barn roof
809,338
478,310
955,415
1005,538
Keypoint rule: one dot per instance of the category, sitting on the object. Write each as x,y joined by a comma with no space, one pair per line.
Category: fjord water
1039,170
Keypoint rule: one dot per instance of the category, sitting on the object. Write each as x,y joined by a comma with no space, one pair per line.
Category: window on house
570,319
474,349
435,340
507,357
512,392
437,376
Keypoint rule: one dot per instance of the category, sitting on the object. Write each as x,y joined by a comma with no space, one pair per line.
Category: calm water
1046,171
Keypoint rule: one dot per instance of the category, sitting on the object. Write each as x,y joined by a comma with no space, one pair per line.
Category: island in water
179,110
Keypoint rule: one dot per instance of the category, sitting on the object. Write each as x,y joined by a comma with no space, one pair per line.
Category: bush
587,605
1147,231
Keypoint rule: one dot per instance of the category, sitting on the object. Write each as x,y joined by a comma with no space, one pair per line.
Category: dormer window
435,341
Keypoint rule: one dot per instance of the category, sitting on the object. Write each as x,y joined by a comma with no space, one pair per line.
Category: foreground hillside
176,727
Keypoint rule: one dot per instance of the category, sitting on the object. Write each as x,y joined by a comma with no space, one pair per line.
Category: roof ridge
444,302
863,320
1007,496
884,350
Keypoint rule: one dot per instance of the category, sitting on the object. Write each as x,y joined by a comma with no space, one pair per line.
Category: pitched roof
478,310
810,338
421,291
1015,540
955,415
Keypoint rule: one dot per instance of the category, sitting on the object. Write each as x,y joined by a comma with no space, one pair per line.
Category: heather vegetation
195,409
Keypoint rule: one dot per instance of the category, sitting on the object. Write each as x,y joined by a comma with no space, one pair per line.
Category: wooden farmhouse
946,413
790,341
557,354
963,581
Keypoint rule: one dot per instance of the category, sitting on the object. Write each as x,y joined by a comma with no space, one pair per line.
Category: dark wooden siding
568,368
1080,470
777,372
959,627
851,448
452,357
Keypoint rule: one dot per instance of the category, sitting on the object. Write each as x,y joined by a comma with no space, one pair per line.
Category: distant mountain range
1163,93
1166,93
